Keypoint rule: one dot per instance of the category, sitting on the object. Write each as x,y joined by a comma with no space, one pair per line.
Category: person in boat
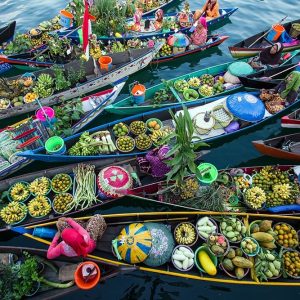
268,57
289,88
137,18
75,239
159,17
199,36
210,10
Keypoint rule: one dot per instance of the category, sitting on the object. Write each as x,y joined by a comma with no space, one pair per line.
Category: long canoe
116,222
123,65
291,120
26,59
242,49
271,78
48,293
284,147
7,32
32,134
208,105
127,106
224,14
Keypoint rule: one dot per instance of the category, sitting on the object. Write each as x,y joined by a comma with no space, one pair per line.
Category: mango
239,273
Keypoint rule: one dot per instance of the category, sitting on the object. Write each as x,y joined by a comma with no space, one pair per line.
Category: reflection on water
252,16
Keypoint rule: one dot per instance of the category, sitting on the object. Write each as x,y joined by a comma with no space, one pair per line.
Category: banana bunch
95,51
39,207
44,86
39,186
13,212
189,189
158,135
46,80
185,234
282,190
19,192
255,197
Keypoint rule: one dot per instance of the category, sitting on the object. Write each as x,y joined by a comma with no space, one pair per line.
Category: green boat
127,106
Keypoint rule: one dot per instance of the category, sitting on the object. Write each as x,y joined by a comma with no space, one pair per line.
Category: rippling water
252,16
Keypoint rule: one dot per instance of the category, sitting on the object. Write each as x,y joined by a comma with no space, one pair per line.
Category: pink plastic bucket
43,112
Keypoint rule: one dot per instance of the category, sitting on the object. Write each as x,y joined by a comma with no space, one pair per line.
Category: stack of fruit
206,91
291,262
286,235
138,127
183,258
125,144
185,234
205,227
4,103
255,197
60,183
120,129
207,79
40,186
235,263
180,85
250,246
194,82
233,229
166,50
218,244
39,207
30,97
13,213
19,192
44,86
61,201
279,189
153,124
263,233
143,141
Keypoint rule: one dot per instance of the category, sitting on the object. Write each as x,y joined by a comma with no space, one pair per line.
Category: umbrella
162,244
246,107
112,180
179,40
133,243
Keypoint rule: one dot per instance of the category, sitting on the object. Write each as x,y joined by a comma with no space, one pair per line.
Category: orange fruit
157,126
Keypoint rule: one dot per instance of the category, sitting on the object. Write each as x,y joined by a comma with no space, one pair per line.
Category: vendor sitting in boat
76,241
210,10
159,17
269,57
137,18
199,36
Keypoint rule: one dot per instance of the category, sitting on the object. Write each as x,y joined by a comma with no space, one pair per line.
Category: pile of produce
166,50
194,82
19,192
85,182
13,213
207,79
138,127
206,91
162,96
61,202
286,236
185,234
268,265
233,229
44,86
250,246
120,129
153,125
205,227
183,258
125,143
40,186
39,206
180,85
189,188
235,263
92,144
218,244
60,183
291,261
279,189
143,142
255,197
4,103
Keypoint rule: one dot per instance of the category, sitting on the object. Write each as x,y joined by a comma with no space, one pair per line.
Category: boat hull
7,32
292,120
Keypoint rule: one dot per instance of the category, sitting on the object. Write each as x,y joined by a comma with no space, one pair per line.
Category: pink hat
203,22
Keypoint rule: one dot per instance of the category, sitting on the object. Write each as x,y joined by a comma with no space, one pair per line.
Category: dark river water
252,16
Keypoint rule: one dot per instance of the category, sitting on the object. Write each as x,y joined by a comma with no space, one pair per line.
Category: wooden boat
291,120
128,107
7,32
26,59
48,293
163,4
124,64
224,14
32,134
263,79
284,147
198,107
241,49
117,222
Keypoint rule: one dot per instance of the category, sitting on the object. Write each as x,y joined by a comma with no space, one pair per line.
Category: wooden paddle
266,33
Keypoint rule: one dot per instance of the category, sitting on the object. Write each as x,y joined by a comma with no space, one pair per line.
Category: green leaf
200,144
172,151
176,160
173,172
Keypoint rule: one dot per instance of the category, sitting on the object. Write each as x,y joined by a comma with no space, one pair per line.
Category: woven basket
294,33
178,50
223,121
201,130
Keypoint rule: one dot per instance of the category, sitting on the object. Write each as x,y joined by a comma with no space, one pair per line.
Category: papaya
265,225
263,237
206,263
242,262
268,245
239,272
231,253
227,264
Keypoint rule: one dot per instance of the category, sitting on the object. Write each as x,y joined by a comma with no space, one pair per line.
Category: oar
266,33
284,71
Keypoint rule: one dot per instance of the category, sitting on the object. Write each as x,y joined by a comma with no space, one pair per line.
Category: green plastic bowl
212,257
24,182
49,190
67,188
49,201
154,119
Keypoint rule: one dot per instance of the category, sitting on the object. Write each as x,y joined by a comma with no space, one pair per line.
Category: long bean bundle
85,180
